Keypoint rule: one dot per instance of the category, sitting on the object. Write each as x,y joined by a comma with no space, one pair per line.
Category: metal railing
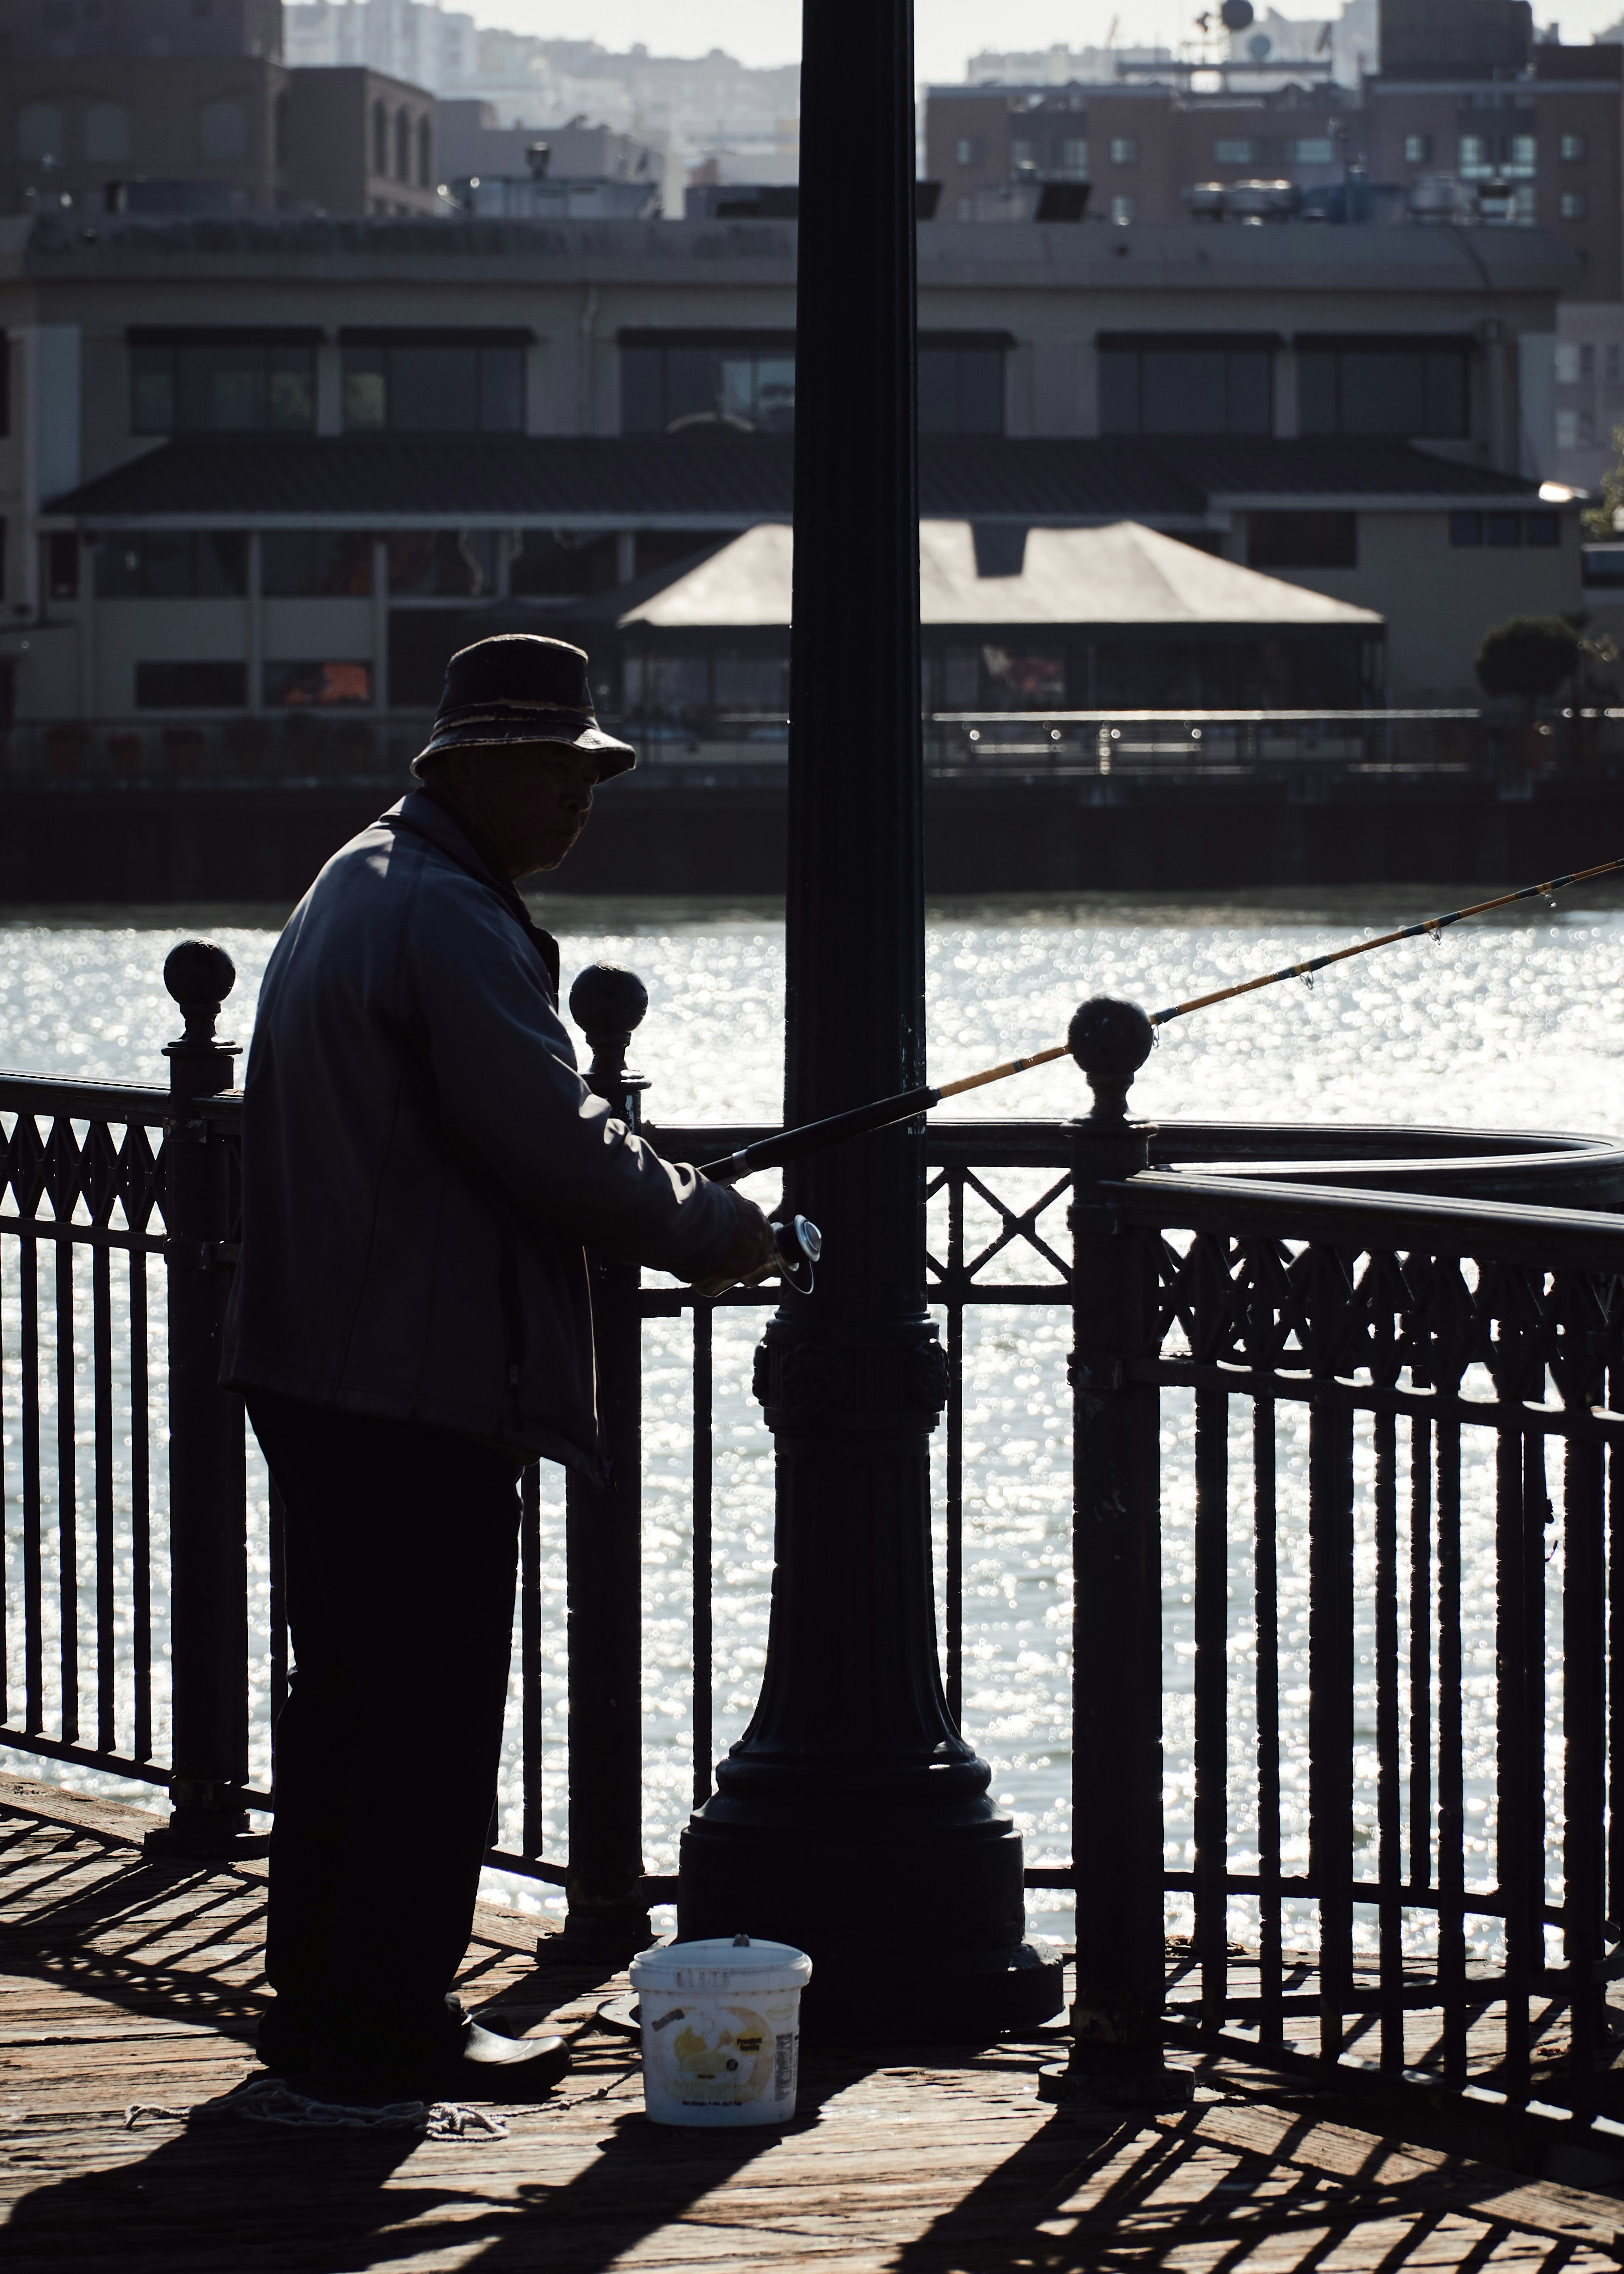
1365,1382
313,748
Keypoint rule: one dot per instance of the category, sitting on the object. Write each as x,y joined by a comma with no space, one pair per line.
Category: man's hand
750,1252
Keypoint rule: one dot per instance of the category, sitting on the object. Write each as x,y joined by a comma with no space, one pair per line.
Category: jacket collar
424,817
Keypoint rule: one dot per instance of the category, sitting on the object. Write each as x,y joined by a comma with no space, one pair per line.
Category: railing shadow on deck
1390,1366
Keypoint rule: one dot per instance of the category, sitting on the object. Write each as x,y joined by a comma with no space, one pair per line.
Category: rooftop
1122,574
715,479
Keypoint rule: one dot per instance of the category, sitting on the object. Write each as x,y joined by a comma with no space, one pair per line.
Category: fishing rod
883,1112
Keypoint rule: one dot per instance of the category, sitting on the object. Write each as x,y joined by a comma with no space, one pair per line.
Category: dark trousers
402,1551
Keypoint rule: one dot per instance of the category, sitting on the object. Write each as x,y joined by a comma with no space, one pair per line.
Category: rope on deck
269,2100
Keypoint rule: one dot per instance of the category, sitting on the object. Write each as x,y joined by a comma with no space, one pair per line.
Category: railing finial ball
1111,1040
608,1000
197,973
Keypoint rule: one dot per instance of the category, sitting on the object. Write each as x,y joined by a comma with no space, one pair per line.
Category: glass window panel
152,391
693,382
298,564
753,682
642,408
677,686
1184,391
775,394
1466,528
159,566
221,390
1503,528
1477,163
291,388
107,133
961,679
1119,391
1316,392
939,391
1232,154
738,388
220,564
980,390
1445,393
289,684
1523,156
501,390
559,564
1541,529
1383,392
443,564
191,685
434,390
366,399
1249,408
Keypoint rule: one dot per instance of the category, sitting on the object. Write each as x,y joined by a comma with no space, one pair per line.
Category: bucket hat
518,687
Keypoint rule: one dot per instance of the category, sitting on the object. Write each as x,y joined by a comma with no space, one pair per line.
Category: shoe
482,2064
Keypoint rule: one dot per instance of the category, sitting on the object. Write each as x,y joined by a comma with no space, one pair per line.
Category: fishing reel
796,1247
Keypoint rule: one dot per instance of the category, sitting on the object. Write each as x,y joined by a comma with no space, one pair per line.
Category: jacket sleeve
503,1069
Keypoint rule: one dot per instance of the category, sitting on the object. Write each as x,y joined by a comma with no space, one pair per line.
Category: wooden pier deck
126,1983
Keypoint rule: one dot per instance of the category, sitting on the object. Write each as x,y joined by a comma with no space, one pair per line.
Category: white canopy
1122,574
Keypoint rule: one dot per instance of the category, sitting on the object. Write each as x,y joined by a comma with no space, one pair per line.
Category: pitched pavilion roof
726,479
1122,573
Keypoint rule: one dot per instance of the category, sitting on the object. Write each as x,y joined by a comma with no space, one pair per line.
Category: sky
946,31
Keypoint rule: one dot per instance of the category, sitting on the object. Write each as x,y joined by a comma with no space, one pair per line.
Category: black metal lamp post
852,1804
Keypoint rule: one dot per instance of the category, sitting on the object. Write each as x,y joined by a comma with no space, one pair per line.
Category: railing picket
1211,1676
141,1511
1331,1664
1389,1831
954,1559
532,1831
1420,1655
1511,1749
1451,1768
1583,1784
101,1352
1271,2028
34,1575
704,1428
67,1501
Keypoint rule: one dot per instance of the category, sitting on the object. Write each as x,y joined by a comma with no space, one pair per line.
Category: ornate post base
852,1819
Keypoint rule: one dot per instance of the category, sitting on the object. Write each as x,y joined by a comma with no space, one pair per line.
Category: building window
1122,210
62,565
1566,363
1396,387
402,147
1587,429
290,686
222,133
439,387
1587,360
562,564
967,212
1572,204
425,153
197,564
687,379
1311,150
1124,150
1232,154
1567,430
226,386
1417,149
1505,529
960,388
191,685
1507,157
39,132
1073,158
1023,152
107,133
443,564
1573,148
310,564
5,385
1302,541
381,138
1611,368
1187,387
969,150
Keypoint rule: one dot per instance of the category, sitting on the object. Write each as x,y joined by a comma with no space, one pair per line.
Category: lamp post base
912,1940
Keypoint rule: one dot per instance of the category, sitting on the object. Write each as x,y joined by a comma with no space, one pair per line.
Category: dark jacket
422,1163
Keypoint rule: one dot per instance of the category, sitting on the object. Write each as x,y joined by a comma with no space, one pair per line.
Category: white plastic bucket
721,2030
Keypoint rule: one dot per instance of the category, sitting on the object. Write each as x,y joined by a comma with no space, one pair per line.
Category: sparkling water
1514,1020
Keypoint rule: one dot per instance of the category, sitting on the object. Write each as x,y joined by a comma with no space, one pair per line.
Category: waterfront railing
315,749
1385,1366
